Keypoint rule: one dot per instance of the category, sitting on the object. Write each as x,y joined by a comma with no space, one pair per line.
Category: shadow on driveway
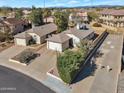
89,70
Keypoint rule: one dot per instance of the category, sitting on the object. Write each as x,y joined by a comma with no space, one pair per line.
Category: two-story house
79,16
113,18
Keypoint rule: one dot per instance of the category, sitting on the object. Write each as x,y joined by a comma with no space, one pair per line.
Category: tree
61,20
70,62
5,10
93,16
18,14
36,17
46,13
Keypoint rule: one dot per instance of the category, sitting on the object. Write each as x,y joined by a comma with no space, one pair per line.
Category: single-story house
78,35
69,38
58,42
38,34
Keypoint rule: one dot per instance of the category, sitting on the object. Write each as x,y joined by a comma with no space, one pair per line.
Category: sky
56,3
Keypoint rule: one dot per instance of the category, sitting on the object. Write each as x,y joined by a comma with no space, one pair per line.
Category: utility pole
44,9
44,4
91,2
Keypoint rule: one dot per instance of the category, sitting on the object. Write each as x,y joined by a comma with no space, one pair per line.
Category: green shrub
97,25
68,64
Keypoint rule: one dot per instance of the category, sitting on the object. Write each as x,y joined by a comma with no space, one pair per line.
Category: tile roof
22,35
59,38
43,30
62,37
113,12
14,21
81,34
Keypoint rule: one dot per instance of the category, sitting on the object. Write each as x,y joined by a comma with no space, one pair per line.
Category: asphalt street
14,82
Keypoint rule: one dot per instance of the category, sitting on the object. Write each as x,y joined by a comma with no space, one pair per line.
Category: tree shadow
88,70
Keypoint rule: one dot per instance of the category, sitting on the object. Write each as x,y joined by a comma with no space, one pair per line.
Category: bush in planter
97,25
68,64
26,56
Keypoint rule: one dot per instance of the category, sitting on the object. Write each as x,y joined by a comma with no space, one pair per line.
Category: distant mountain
95,6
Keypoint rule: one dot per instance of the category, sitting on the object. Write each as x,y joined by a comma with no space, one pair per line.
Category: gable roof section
22,35
43,30
81,34
13,21
113,12
59,38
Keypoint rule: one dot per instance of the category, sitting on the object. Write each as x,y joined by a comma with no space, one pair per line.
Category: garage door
54,46
20,41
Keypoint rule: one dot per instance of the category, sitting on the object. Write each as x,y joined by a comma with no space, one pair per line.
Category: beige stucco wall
19,41
54,46
35,37
22,41
75,39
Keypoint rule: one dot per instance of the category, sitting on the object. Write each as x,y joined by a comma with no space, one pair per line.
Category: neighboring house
49,19
79,16
84,16
11,15
38,34
15,25
69,38
3,27
112,18
26,13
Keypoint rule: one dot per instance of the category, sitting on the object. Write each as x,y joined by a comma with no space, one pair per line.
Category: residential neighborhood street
15,82
37,69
